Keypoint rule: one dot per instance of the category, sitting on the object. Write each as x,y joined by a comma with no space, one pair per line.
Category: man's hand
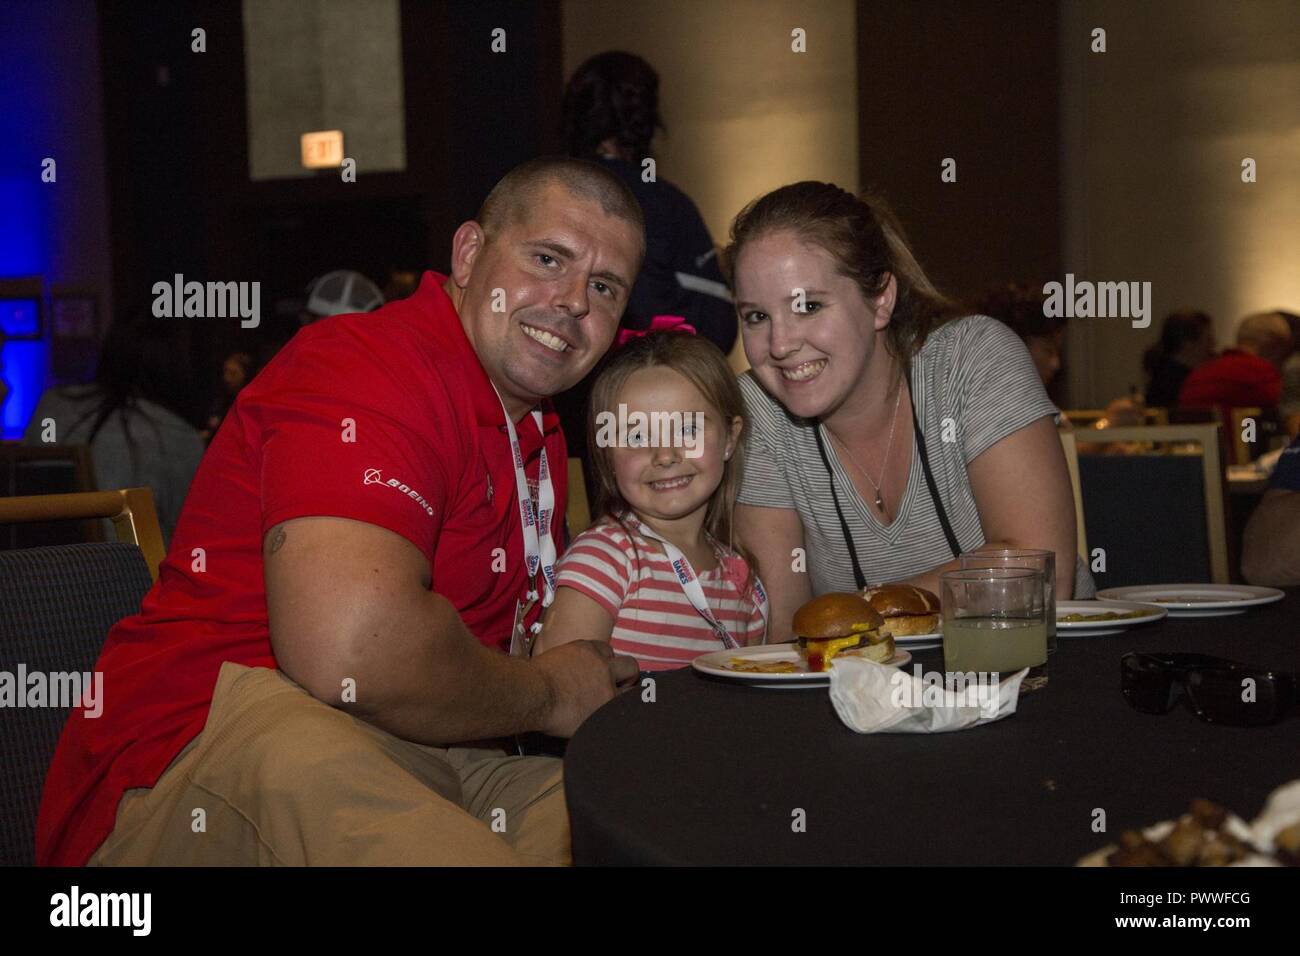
581,676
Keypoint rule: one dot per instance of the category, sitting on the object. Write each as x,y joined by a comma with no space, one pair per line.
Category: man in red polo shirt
1249,375
318,676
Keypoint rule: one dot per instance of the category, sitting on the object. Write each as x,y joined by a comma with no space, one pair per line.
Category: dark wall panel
976,82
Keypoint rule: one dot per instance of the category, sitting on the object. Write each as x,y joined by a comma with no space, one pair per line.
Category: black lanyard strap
929,477
844,525
933,488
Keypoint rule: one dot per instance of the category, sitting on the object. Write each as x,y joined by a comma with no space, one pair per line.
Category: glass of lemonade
1034,558
995,620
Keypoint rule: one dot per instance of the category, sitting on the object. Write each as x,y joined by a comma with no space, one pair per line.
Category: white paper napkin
875,698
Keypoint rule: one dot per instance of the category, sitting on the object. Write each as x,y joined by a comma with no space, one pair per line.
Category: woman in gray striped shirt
888,434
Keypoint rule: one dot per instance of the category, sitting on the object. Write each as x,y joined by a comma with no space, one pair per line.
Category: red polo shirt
1235,379
386,418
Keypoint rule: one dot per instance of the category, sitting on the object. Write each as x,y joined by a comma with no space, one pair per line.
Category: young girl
659,576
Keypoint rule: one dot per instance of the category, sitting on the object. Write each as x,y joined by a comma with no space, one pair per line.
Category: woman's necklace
880,501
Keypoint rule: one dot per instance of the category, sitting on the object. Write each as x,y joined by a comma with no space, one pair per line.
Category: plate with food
1208,835
910,614
1102,618
1196,600
827,627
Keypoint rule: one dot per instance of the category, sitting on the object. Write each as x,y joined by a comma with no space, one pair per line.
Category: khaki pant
283,779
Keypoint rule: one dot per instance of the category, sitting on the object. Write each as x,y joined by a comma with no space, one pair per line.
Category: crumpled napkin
875,698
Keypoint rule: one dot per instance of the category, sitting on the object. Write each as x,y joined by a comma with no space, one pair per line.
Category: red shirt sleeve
361,430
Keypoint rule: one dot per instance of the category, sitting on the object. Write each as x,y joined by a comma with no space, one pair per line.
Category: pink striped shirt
653,619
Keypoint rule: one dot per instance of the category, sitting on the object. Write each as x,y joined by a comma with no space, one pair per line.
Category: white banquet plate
1101,627
718,664
1195,600
919,642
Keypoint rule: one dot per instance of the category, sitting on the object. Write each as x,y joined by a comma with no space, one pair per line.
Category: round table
716,772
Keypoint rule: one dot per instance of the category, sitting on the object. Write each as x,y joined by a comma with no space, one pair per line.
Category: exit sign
322,149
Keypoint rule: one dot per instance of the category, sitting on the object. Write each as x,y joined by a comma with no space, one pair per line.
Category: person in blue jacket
611,114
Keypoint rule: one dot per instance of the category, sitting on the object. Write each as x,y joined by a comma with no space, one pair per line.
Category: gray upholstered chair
56,607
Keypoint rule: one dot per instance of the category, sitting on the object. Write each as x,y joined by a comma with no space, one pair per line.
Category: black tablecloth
712,771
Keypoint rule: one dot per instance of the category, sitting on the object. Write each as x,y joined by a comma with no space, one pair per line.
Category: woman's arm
772,535
572,616
1022,489
1270,548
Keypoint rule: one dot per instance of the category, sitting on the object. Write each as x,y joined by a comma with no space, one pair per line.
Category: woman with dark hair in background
1186,341
135,416
611,113
1020,306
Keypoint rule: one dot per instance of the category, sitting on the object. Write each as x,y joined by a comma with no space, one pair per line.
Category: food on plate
1198,838
746,666
1207,835
840,623
907,610
1078,618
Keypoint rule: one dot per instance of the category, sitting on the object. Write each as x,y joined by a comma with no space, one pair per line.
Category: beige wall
744,113
1154,133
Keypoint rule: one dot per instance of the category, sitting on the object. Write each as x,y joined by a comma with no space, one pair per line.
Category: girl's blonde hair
704,366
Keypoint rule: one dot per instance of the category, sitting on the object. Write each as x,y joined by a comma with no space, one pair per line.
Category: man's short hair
521,187
1263,329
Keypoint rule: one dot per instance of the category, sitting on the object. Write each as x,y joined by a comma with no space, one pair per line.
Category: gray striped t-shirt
974,372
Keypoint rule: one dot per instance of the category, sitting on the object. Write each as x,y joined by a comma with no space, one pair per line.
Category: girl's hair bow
660,323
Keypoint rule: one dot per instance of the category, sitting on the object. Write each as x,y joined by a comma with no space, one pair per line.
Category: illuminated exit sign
322,149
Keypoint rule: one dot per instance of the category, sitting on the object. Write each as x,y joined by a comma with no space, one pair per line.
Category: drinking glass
1039,560
994,620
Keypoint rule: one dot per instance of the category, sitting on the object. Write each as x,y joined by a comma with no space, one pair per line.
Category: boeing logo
373,476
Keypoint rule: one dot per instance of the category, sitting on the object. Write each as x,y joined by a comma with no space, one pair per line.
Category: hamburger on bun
907,610
840,624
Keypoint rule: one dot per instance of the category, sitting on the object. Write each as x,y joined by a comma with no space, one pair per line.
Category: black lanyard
858,576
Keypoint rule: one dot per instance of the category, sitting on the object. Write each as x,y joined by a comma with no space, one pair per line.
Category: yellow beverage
1004,645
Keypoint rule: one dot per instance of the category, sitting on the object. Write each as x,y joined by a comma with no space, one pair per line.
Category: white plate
715,664
1103,628
919,642
1196,600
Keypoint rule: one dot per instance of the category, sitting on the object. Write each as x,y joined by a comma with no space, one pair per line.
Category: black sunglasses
1217,690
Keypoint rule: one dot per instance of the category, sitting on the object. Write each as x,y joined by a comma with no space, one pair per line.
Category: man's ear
466,245
882,306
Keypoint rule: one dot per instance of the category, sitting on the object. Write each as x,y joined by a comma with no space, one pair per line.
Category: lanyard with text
694,591
539,548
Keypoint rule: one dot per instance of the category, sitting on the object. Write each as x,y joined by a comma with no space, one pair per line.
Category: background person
136,416
236,372
610,115
1270,548
1186,342
1020,308
1289,403
1248,375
